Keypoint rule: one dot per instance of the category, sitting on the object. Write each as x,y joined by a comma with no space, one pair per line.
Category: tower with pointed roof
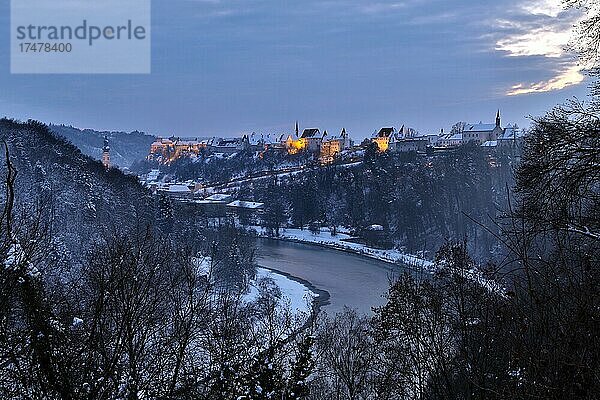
498,118
106,153
346,143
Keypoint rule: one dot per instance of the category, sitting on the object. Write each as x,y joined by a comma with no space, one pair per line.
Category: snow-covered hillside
125,148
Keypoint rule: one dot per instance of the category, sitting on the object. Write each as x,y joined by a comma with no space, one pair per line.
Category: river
351,280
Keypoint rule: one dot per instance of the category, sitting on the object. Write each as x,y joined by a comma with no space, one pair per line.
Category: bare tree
345,356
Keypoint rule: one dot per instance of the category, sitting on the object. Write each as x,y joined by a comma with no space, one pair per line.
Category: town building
481,133
332,146
404,140
376,236
311,140
384,138
327,147
450,140
512,137
222,198
406,145
261,142
230,145
432,139
486,135
220,208
173,148
153,175
177,190
245,212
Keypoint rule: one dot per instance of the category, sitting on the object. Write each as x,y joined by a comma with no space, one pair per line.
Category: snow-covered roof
386,132
489,143
375,227
246,204
406,131
178,188
187,142
229,142
160,141
310,132
207,202
219,197
412,140
429,137
511,132
479,127
256,139
332,138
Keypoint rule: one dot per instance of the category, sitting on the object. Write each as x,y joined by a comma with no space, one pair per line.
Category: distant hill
125,148
82,198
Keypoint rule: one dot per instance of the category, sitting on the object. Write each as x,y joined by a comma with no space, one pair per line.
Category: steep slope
79,197
125,148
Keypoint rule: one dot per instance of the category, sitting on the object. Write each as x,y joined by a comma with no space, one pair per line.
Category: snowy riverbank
294,294
339,242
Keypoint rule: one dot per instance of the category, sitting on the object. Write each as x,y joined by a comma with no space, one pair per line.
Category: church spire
498,118
106,153
297,129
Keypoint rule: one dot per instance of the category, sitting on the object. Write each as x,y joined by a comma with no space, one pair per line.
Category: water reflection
351,280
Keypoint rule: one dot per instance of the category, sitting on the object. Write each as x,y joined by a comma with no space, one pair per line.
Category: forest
421,201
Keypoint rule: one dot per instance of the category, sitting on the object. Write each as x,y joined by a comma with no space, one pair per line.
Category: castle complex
329,147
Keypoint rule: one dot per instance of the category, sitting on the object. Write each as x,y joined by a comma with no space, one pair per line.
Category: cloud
547,41
542,28
569,76
551,8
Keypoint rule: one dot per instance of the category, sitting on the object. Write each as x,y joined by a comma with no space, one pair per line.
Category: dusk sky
221,67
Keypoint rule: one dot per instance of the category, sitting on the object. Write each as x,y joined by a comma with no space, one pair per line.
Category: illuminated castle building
313,141
332,146
174,148
384,138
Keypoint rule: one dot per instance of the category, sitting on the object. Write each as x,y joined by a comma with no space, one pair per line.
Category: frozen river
350,280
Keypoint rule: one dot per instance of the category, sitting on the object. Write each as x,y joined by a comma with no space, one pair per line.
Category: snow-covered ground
338,242
295,295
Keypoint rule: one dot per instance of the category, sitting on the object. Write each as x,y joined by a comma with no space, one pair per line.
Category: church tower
345,139
297,130
106,153
498,118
